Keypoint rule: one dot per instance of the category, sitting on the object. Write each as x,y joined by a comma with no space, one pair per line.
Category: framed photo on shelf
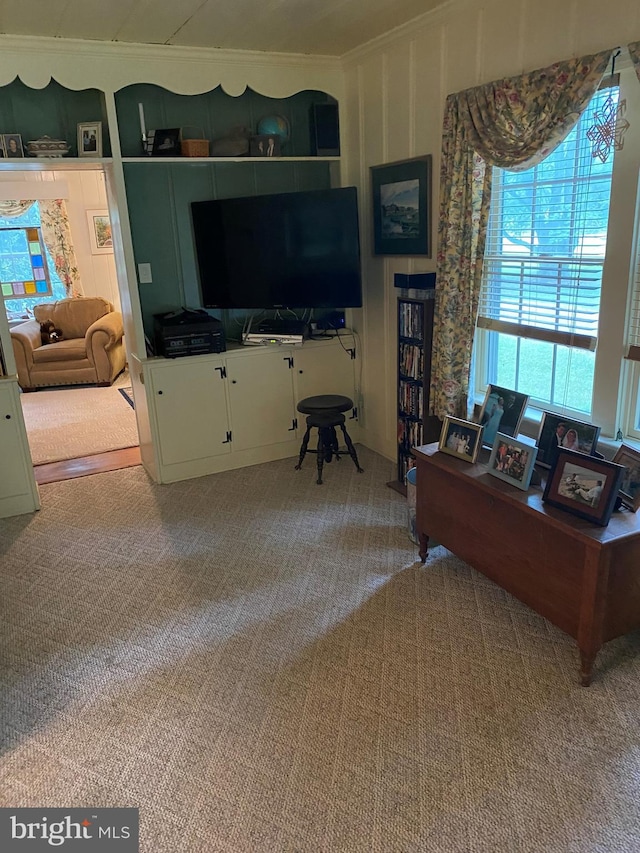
502,411
90,139
401,194
630,485
12,145
584,485
264,146
460,438
557,432
512,461
100,237
166,142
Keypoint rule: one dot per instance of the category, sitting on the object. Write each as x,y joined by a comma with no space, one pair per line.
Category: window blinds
546,242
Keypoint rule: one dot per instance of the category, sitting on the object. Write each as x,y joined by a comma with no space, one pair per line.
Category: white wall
85,190
395,93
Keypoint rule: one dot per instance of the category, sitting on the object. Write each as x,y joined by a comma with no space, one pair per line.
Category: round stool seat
325,403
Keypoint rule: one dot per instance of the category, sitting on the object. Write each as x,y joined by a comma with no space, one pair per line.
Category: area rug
72,422
127,393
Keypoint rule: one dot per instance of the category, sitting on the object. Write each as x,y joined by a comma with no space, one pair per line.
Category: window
27,274
540,303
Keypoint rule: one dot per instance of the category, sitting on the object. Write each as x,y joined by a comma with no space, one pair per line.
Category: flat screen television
286,250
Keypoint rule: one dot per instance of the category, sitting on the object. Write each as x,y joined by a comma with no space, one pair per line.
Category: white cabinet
190,406
18,490
213,413
260,397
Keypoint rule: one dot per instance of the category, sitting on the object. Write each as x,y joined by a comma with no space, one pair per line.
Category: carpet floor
68,423
261,665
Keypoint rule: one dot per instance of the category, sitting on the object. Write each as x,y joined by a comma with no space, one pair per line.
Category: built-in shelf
20,164
245,159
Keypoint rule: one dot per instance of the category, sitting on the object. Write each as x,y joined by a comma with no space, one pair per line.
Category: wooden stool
325,413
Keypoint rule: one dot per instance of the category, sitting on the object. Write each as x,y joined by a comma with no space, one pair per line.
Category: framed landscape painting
401,194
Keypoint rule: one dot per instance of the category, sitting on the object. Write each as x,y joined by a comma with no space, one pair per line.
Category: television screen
290,250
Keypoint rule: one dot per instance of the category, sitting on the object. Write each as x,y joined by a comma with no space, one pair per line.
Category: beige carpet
261,666
72,422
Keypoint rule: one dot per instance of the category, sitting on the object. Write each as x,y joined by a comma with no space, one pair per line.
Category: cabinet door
325,369
261,398
18,492
190,405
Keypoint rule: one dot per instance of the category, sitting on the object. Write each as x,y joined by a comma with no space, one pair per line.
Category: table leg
587,659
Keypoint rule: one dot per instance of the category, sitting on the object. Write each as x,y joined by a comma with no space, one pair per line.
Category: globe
274,126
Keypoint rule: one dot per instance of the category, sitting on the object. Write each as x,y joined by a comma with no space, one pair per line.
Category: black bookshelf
415,337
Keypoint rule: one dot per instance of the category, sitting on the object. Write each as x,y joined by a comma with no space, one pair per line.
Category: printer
188,331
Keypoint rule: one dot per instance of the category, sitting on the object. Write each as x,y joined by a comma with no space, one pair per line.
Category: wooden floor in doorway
68,469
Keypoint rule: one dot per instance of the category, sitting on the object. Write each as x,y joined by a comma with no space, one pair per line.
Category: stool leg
351,448
334,442
303,448
320,456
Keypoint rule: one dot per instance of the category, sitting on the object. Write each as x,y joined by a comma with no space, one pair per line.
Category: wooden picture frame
12,146
502,411
460,438
401,198
100,236
512,460
557,432
166,142
629,491
90,139
584,485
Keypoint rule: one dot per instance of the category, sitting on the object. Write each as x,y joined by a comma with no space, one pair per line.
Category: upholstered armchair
91,352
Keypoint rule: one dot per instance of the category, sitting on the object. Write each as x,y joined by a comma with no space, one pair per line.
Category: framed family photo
512,461
12,145
90,139
584,485
401,195
166,142
502,411
100,237
460,438
557,432
630,485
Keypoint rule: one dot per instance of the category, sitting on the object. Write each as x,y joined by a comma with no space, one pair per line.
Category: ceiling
329,27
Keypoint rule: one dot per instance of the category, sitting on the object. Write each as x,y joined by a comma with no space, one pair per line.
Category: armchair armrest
111,328
25,338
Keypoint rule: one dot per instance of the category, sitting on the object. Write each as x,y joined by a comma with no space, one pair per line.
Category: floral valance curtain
634,53
513,123
10,209
56,234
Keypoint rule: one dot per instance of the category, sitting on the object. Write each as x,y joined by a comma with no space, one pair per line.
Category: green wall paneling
159,197
52,111
215,112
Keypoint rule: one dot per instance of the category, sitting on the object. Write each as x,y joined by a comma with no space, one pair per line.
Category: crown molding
81,64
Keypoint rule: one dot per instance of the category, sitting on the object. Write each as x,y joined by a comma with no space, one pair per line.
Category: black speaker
325,130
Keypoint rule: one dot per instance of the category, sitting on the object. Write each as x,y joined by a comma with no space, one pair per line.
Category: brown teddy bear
49,334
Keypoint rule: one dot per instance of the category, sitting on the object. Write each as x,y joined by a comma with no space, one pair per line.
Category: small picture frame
12,145
512,460
264,145
584,485
460,438
502,411
630,485
557,432
401,199
90,139
100,236
166,142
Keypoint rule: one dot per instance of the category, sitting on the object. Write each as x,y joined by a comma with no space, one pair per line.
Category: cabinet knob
159,393
234,381
301,371
8,417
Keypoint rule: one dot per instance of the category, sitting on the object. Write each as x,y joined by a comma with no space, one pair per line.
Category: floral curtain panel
513,123
56,234
634,53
